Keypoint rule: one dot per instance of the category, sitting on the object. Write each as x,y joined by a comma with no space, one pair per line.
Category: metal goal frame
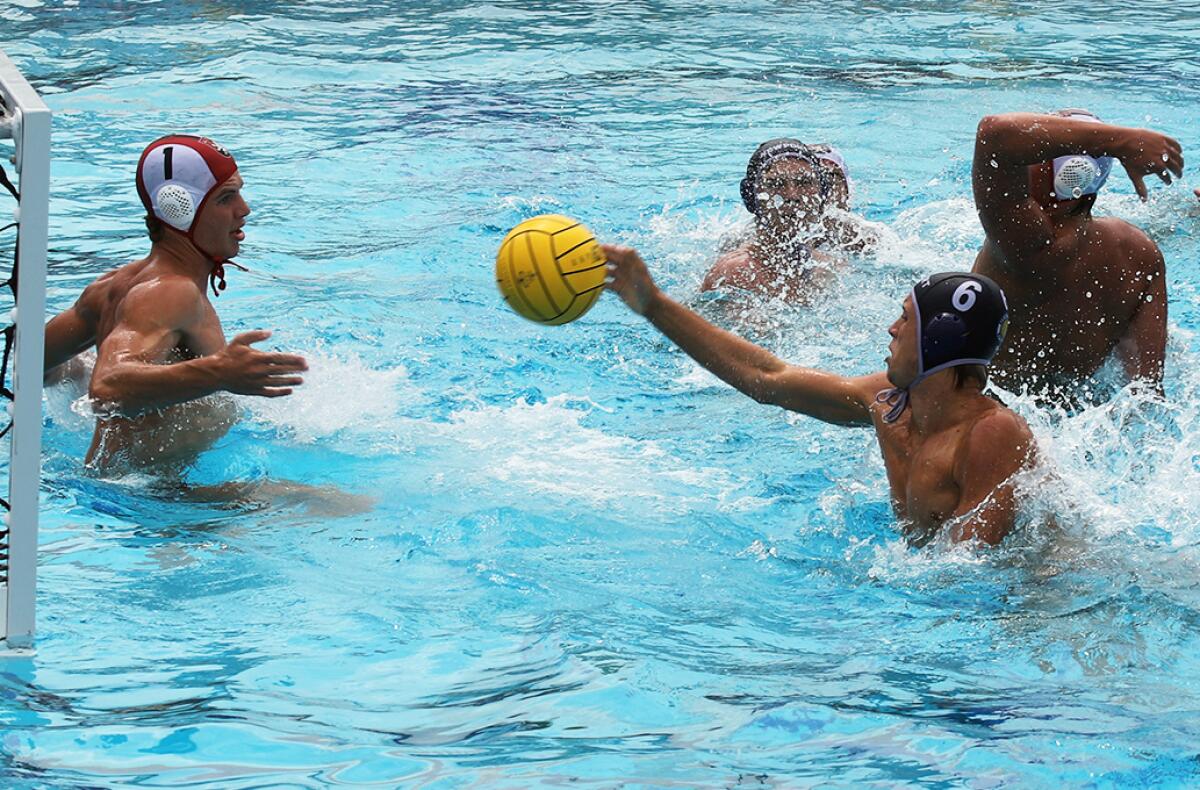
25,119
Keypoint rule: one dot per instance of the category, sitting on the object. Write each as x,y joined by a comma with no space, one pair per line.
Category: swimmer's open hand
248,371
1147,152
629,278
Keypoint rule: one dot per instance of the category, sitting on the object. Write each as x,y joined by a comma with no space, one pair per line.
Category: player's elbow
995,133
993,126
766,387
763,393
101,393
989,531
104,391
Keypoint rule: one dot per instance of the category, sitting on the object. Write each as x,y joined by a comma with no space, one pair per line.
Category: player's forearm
736,361
57,355
134,388
1019,139
65,336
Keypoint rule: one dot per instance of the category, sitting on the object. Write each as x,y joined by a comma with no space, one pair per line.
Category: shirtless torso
950,456
162,361
1080,289
943,472
116,302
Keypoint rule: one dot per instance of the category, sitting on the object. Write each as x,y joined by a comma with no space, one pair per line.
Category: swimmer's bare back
161,361
1096,292
1079,288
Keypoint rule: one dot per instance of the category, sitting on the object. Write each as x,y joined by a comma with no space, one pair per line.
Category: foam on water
546,451
945,230
340,393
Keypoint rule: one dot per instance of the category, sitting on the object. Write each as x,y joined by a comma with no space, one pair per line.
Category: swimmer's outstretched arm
131,374
1020,139
749,368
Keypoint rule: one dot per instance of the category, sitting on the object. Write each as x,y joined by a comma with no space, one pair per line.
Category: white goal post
25,121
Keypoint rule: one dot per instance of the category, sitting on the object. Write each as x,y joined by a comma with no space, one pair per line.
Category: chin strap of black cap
896,398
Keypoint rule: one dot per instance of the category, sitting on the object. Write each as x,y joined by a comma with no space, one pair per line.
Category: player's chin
891,373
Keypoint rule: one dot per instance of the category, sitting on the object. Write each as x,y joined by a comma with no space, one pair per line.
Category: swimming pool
587,560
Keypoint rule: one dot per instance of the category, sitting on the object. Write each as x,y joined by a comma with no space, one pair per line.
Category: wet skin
161,353
950,457
783,258
1080,290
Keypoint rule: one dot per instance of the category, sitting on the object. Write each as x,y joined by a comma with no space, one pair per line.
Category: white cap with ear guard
1077,175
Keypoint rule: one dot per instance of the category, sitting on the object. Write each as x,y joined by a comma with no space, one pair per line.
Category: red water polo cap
177,173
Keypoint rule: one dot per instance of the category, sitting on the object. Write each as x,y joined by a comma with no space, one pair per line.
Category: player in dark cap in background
799,196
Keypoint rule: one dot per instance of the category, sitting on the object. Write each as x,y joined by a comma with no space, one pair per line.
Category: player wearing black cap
950,451
799,196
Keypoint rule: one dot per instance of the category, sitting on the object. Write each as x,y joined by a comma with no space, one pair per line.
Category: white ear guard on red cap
174,205
177,180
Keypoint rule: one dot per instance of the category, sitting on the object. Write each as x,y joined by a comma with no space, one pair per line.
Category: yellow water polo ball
550,269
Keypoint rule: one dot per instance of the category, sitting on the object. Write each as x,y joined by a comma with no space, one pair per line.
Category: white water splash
539,203
546,450
339,393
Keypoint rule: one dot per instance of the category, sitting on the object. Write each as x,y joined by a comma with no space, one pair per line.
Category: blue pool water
586,560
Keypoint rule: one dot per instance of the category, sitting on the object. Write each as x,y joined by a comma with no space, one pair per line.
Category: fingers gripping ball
550,269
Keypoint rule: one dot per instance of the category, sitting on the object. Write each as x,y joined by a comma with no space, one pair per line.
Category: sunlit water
585,558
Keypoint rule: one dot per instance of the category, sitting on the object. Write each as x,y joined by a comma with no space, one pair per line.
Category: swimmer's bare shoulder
994,447
1132,239
85,323
731,268
159,309
1127,261
157,321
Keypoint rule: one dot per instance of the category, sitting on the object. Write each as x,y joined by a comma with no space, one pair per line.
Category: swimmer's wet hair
155,228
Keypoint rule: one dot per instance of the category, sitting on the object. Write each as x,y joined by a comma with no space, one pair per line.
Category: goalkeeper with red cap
160,351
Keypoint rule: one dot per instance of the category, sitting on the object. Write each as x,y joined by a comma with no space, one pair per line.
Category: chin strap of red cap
216,279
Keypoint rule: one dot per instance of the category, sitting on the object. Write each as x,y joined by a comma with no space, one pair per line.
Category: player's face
218,229
789,197
902,351
839,191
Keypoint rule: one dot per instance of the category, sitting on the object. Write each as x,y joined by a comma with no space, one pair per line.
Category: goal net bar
25,122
